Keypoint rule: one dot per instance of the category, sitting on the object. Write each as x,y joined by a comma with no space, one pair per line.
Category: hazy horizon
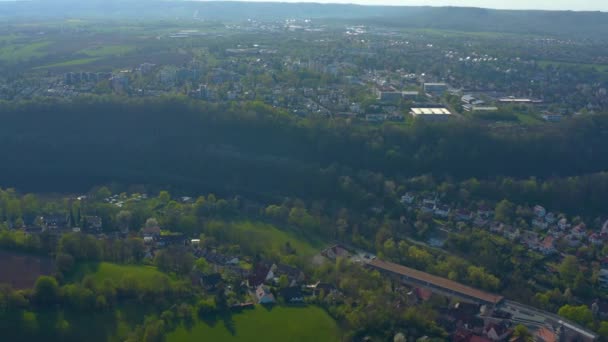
582,5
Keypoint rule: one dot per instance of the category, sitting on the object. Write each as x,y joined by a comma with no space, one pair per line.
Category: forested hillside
559,23
252,148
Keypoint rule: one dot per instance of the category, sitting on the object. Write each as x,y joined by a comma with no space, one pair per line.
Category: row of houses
546,228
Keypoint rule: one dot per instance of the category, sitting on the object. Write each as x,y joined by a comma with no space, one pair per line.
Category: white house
408,198
442,211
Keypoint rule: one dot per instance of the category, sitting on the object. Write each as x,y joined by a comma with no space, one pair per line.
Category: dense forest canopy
253,148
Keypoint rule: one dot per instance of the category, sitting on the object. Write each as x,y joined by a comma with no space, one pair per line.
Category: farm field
21,270
297,324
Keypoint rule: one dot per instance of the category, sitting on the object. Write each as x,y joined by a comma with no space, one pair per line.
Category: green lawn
528,119
147,276
277,324
261,237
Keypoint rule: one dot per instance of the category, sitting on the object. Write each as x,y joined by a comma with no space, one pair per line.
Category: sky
575,5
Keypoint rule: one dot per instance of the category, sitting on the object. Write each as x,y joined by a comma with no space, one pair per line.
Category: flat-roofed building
515,100
431,114
474,108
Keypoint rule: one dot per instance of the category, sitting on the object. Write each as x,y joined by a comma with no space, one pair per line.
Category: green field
148,277
19,52
260,237
72,62
277,324
108,50
599,67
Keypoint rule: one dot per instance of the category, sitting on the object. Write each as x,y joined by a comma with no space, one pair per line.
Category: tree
154,330
164,197
102,193
603,329
580,314
202,265
151,223
283,281
46,291
206,307
569,270
64,262
504,211
522,332
123,219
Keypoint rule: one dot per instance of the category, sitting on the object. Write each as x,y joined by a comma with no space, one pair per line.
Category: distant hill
559,23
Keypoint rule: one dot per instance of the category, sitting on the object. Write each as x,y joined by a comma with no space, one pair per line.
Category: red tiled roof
436,281
546,335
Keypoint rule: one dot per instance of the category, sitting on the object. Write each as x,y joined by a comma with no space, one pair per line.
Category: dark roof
151,230
288,271
290,293
211,280
259,274
437,281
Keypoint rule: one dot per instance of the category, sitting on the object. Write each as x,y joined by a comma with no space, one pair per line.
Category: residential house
572,240
325,288
211,281
464,215
480,222
530,238
336,251
496,227
408,198
93,223
55,222
463,335
545,335
579,231
540,211
430,202
547,246
264,296
423,294
32,230
258,276
442,211
293,274
427,208
151,231
603,278
562,224
596,239
556,233
484,211
292,295
550,218
497,331
171,240
511,233
540,223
